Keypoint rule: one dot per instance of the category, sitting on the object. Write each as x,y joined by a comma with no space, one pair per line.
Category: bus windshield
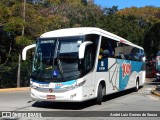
56,59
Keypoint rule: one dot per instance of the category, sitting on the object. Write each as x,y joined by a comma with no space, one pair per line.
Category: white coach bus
78,64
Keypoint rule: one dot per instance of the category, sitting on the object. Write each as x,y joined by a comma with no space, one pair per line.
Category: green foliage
152,39
149,13
148,19
127,27
8,74
22,41
14,24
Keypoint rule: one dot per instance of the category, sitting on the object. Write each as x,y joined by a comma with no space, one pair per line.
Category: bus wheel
137,86
99,95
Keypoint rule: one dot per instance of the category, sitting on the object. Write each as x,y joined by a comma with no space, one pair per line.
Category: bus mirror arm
24,51
82,49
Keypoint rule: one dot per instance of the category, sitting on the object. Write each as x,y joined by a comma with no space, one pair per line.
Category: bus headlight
33,86
80,83
71,87
76,85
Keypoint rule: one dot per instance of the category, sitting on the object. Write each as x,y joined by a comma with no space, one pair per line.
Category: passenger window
134,54
114,49
106,48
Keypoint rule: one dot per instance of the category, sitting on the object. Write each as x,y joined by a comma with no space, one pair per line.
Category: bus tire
137,86
99,95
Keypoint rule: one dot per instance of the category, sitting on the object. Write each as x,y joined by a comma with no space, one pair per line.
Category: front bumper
74,95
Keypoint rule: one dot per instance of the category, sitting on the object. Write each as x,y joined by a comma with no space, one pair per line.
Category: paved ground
143,100
156,87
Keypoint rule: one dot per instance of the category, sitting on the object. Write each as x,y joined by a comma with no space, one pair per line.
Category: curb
155,92
15,89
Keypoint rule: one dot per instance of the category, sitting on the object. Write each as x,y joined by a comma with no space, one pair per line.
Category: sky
127,3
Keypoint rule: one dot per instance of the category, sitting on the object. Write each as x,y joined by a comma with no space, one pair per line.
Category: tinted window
107,48
115,49
137,54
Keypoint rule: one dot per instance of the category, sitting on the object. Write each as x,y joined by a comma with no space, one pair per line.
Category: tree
46,15
151,40
110,11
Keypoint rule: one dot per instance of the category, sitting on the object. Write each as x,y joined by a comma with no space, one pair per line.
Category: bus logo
126,69
50,90
55,73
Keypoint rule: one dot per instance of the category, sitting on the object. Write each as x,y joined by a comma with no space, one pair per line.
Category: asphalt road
128,100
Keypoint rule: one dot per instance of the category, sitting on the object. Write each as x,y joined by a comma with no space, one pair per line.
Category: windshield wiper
59,65
55,56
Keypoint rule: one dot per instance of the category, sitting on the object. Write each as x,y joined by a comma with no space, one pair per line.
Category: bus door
88,62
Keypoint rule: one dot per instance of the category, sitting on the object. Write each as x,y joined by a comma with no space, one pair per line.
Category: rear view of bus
71,65
158,65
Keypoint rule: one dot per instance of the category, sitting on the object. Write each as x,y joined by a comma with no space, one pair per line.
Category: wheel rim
137,85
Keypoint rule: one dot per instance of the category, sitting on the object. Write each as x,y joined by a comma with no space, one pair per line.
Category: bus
158,65
78,64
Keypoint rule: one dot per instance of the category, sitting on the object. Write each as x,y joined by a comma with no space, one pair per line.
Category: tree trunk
19,71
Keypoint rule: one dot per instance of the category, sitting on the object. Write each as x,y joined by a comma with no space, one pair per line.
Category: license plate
51,97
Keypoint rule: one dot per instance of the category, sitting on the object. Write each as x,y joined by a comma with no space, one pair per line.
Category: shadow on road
64,105
78,105
118,94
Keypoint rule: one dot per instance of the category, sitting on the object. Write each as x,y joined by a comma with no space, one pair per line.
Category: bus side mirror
82,49
24,51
